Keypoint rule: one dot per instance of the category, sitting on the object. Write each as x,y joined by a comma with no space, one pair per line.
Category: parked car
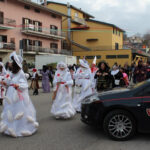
121,112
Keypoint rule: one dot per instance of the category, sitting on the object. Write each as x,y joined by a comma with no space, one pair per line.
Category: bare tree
146,38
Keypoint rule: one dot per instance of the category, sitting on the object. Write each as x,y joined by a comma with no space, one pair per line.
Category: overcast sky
131,15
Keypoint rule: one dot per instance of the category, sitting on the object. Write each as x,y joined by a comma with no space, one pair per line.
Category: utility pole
69,25
21,48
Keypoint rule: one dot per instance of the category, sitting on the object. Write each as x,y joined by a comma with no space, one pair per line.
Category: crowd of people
71,84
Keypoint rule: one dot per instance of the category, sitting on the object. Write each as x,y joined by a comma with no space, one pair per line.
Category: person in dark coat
102,76
140,72
117,76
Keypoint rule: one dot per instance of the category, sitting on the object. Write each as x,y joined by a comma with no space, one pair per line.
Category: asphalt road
67,134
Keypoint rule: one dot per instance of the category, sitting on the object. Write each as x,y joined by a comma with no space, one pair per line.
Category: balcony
7,46
79,20
37,49
42,32
6,23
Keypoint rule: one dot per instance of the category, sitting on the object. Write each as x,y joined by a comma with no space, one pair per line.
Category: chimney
45,3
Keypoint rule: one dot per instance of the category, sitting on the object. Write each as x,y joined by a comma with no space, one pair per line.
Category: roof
140,52
41,7
79,9
109,24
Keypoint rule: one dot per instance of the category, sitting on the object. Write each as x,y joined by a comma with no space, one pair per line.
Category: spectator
25,66
140,72
103,77
116,76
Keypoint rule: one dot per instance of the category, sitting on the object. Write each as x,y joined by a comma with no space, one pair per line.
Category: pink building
37,26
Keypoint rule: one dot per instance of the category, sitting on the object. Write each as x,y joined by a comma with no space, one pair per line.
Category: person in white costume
83,84
18,117
2,77
62,100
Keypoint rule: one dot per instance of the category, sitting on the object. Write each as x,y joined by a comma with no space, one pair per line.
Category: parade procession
69,81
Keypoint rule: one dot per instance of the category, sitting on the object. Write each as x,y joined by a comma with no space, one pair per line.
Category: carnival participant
35,82
116,76
45,79
83,84
2,77
62,99
125,80
103,77
18,115
93,71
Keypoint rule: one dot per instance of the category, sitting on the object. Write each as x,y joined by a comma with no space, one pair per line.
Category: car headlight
91,99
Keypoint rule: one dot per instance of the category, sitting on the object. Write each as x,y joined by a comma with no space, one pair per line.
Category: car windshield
138,85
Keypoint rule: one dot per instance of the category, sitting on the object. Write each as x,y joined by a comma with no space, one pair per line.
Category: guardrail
8,46
7,21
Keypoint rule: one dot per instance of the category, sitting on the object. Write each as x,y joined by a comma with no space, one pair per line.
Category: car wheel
119,125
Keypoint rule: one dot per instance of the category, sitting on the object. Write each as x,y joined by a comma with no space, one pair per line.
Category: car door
146,109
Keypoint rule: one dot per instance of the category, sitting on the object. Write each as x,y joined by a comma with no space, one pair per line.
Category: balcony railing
79,20
7,22
43,32
37,49
7,46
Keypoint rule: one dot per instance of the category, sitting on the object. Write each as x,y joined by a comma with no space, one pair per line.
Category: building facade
87,37
39,29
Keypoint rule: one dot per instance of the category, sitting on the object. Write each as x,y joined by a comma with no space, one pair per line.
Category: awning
141,53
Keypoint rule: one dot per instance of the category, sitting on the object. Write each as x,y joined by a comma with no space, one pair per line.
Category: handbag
117,82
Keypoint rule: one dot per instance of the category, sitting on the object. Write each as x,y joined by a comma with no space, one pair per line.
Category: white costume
83,88
2,78
62,105
18,117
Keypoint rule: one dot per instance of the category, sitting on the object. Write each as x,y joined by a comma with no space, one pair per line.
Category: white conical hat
18,59
94,60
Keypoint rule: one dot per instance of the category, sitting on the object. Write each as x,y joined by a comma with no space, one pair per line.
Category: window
37,43
26,22
91,40
3,38
12,40
116,46
110,56
54,45
37,26
89,57
98,57
65,45
122,56
54,16
76,14
37,10
27,44
1,18
53,29
113,30
116,31
26,7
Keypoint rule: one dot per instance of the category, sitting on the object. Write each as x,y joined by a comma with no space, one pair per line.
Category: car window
139,84
146,92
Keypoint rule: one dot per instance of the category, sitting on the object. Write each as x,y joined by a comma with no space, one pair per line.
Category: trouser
35,92
1,101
